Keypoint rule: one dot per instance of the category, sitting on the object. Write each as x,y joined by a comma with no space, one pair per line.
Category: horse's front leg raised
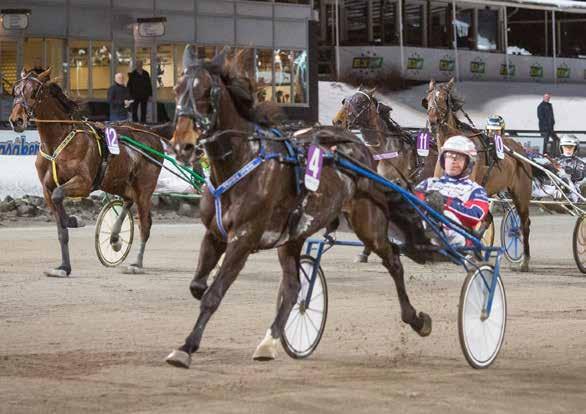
73,187
209,255
236,255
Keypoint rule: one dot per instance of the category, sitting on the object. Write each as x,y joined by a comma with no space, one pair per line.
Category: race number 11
315,160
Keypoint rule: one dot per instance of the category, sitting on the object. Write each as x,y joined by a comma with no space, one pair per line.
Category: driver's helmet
569,141
461,145
495,123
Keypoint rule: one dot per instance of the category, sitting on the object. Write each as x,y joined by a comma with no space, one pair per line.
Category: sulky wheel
110,250
579,243
307,320
512,236
481,335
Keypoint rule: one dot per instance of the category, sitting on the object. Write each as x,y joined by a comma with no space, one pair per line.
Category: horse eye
343,101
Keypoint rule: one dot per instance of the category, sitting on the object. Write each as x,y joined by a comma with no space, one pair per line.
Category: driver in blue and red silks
454,194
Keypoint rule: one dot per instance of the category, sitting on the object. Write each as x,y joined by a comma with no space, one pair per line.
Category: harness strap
64,144
232,181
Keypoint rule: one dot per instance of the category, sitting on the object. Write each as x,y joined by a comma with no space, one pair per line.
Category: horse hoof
134,270
116,246
197,289
361,258
179,359
267,349
75,222
56,273
426,328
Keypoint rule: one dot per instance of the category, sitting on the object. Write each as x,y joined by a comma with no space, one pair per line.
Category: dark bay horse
393,148
76,162
509,174
264,210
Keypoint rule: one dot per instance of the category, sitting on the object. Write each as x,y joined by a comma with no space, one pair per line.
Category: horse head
28,92
358,111
439,102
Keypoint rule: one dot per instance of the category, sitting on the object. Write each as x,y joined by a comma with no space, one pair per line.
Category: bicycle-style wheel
481,335
306,323
113,252
579,243
512,236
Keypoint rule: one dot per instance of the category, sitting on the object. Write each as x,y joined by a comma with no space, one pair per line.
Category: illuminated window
79,67
101,59
264,75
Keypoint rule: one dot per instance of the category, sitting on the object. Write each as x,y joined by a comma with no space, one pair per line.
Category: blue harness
262,157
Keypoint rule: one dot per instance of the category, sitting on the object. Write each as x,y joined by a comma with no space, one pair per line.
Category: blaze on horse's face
193,106
436,101
25,92
357,110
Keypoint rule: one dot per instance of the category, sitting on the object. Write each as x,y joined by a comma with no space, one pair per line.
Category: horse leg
209,255
363,256
73,187
236,255
143,206
115,235
521,198
373,233
289,260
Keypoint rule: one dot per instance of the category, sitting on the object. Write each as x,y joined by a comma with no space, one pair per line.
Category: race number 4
112,141
499,147
315,159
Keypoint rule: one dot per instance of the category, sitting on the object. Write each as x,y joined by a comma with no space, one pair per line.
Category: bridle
22,100
450,106
352,107
187,103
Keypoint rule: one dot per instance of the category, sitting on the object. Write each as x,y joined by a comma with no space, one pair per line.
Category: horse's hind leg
236,255
143,206
115,233
521,195
373,233
290,285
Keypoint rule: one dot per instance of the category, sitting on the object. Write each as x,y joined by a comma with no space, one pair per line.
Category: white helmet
569,141
461,145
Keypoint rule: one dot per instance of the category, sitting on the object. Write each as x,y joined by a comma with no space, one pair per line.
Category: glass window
178,58
165,73
573,35
283,78
264,75
300,77
54,49
356,22
101,58
7,66
529,33
384,29
78,67
123,61
440,21
33,54
206,53
245,61
413,23
487,29
464,29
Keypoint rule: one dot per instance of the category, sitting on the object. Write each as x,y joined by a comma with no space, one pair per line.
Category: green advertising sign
367,62
536,71
477,66
510,72
563,72
446,64
415,62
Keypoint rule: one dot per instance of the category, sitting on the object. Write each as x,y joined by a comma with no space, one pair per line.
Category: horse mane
68,105
242,90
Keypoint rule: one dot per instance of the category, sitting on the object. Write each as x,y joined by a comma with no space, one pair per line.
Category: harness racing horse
496,175
257,203
394,149
73,161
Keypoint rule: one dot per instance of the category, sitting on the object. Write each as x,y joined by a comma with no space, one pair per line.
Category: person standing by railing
546,125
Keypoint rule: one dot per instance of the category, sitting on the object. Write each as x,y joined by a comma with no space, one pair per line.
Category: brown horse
393,147
76,162
264,210
509,174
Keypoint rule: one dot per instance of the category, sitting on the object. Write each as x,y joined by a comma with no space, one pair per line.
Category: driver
569,160
454,194
495,124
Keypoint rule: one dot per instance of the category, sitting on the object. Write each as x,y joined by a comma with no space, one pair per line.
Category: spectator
140,89
546,124
119,99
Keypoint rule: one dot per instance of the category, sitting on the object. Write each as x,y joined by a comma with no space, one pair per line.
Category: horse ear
221,58
189,56
451,84
424,103
431,85
371,91
45,76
